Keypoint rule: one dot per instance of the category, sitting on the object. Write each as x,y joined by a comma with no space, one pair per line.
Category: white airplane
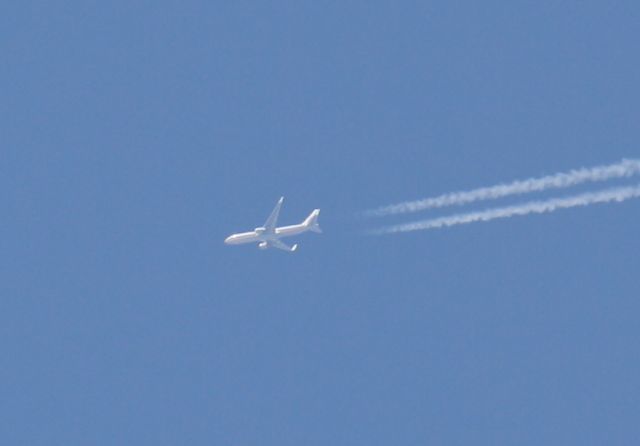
269,235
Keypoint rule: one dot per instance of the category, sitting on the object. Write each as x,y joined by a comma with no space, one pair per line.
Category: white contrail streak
625,168
533,207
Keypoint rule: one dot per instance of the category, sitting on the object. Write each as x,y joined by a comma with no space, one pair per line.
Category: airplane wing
271,222
278,244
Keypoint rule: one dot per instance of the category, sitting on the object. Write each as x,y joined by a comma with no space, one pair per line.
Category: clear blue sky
136,135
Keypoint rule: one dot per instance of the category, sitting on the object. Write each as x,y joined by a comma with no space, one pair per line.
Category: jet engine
263,245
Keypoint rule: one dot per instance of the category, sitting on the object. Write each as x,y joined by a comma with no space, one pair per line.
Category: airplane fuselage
258,235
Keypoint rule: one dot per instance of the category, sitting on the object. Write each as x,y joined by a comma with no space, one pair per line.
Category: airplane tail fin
311,222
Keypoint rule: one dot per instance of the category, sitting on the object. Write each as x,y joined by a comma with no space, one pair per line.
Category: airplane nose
228,240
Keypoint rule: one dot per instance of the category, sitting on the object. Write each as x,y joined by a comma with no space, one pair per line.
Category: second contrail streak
533,207
625,168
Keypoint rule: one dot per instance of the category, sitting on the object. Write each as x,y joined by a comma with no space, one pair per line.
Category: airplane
268,235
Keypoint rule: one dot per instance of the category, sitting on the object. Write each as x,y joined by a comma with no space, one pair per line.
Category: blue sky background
136,135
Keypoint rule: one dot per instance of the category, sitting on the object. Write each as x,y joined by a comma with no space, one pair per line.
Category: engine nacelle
263,245
260,230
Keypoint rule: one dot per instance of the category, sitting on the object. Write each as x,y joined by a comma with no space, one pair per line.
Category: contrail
625,168
533,207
